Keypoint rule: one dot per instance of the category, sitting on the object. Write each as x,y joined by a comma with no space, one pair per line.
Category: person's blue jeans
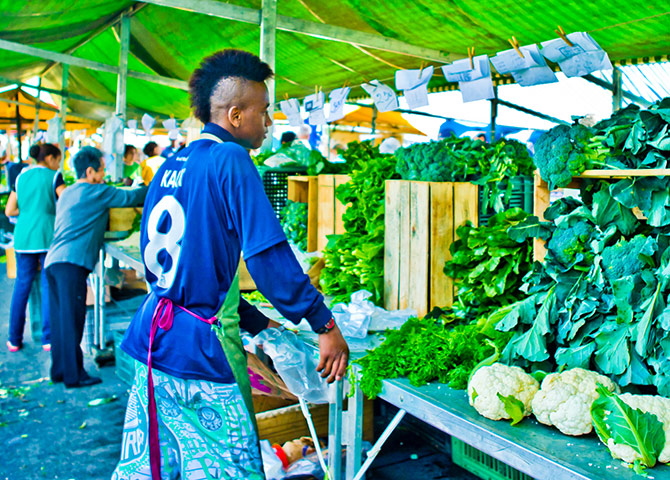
26,269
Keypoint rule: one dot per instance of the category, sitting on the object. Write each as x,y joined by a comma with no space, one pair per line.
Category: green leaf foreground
614,419
514,408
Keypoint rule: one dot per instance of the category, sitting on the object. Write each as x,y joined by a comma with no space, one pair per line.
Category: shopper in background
34,201
152,163
81,218
287,138
15,168
206,207
131,164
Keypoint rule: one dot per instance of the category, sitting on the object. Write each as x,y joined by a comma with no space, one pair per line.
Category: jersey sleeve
252,216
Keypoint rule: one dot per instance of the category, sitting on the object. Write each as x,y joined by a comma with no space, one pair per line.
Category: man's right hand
333,355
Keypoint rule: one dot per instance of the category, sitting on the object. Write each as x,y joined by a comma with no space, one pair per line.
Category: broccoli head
564,152
569,244
624,258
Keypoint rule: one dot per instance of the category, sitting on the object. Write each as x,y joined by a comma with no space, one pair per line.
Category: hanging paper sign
584,57
384,97
314,106
53,130
148,123
132,124
113,136
475,83
414,84
171,126
530,70
337,98
291,108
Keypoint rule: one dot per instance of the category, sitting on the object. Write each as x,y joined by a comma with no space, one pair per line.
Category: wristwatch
327,327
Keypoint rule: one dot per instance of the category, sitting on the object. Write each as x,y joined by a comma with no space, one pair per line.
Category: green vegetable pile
601,299
355,259
429,349
489,265
294,222
465,160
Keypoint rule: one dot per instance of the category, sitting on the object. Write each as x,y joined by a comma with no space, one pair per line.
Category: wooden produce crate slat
330,208
421,221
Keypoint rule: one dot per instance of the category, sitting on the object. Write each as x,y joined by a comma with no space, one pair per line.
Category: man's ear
90,172
235,116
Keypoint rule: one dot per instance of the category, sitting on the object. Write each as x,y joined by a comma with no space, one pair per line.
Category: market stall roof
386,122
374,38
16,100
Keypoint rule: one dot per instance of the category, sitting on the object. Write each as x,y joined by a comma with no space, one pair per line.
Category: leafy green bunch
429,349
293,220
600,300
355,259
488,264
465,160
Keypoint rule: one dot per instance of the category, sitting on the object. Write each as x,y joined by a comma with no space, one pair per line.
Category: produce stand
537,450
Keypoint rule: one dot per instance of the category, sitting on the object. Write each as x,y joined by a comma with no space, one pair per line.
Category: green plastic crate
482,465
125,364
521,197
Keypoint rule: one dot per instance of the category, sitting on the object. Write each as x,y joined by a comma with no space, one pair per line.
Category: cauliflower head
654,404
488,382
565,399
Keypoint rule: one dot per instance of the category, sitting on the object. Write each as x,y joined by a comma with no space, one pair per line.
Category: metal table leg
335,429
352,432
100,317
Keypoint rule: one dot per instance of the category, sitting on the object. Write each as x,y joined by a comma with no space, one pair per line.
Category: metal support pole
18,127
63,113
494,113
617,97
334,429
268,39
352,427
37,109
121,88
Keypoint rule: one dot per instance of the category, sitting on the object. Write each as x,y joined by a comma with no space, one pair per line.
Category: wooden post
540,204
617,89
63,112
36,127
18,125
121,88
494,113
268,39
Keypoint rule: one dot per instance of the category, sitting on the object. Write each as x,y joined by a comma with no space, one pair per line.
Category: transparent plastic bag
361,316
295,362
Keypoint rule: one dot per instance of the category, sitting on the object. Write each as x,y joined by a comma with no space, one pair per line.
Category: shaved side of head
227,93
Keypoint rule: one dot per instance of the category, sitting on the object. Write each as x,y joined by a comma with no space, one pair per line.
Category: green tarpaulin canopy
171,42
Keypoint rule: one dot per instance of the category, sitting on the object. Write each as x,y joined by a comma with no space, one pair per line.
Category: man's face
254,117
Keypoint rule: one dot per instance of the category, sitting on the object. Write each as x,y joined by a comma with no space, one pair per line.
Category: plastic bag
295,362
274,470
361,316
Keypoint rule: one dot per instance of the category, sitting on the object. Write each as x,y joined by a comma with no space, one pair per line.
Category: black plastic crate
275,183
125,364
522,197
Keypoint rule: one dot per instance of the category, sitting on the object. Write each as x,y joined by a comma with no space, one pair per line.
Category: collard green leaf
607,211
613,418
531,227
513,407
532,345
643,328
613,353
576,357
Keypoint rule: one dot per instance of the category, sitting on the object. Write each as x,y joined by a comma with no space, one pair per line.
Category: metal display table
537,450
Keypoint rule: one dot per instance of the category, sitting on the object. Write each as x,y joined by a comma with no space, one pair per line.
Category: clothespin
421,68
471,54
346,83
561,33
285,96
515,45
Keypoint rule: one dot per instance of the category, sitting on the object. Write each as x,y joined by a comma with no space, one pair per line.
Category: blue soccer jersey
205,206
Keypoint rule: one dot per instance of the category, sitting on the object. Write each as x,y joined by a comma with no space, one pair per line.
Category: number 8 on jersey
168,241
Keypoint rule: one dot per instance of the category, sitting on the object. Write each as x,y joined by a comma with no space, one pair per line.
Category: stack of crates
521,197
275,183
125,364
482,465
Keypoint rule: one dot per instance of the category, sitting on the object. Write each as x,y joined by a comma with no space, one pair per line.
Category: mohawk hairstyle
223,64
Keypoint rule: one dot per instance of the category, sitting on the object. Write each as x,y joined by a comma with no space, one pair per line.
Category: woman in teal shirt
34,201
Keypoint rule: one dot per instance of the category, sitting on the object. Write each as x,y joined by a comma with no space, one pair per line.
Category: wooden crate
305,189
330,208
287,423
122,219
324,210
421,220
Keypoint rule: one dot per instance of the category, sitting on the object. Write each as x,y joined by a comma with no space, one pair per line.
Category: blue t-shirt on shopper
205,206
